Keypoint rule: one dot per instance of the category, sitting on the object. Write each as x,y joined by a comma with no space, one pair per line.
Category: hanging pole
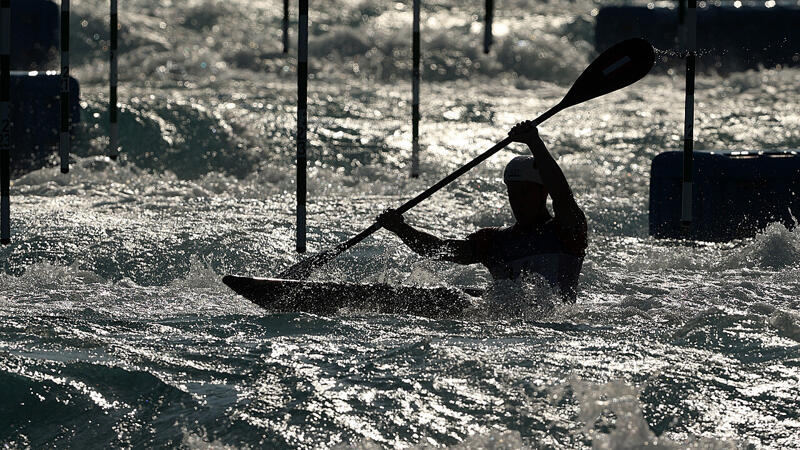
285,26
112,104
65,119
688,124
302,104
5,122
415,95
487,32
682,23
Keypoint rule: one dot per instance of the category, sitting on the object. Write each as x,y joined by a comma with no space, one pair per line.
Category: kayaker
538,243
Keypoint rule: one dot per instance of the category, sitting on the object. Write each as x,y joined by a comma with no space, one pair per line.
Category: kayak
326,298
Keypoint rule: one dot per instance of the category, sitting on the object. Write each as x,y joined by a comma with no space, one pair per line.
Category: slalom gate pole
285,26
112,103
487,32
65,119
688,123
682,23
415,94
302,123
5,122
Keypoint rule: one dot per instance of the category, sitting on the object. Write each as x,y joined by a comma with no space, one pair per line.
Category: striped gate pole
65,119
112,103
487,32
5,122
688,123
285,26
415,95
302,123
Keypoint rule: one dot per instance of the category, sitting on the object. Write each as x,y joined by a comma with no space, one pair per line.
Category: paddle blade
621,65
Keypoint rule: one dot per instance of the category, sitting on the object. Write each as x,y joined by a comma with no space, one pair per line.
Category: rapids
117,331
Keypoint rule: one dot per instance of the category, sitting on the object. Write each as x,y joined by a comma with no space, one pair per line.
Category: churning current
115,329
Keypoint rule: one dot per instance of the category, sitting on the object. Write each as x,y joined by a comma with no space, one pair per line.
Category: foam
787,323
612,418
628,430
776,247
211,38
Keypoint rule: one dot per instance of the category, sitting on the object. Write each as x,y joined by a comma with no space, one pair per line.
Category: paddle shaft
442,183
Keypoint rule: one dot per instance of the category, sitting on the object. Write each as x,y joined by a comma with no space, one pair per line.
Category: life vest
509,252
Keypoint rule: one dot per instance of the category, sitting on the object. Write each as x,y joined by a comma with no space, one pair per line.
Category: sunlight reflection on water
113,309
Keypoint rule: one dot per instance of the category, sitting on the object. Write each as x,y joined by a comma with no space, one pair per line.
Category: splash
787,324
775,248
613,418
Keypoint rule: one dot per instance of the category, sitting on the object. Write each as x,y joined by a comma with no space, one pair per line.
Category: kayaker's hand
391,220
525,132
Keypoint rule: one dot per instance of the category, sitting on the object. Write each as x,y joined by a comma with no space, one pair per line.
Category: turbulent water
116,330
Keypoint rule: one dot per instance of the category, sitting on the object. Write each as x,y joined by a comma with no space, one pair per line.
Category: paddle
619,66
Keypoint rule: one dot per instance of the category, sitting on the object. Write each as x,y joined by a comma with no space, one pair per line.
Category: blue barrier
735,194
35,117
34,33
728,38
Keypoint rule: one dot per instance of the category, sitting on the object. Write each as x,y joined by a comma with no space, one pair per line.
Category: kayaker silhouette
538,243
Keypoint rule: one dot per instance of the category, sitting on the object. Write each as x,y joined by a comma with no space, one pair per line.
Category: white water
113,311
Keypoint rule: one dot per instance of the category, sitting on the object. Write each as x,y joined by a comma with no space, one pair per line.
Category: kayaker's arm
567,211
425,244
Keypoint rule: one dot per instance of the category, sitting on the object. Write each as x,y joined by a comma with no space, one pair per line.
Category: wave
774,248
51,400
786,323
611,413
209,39
45,289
